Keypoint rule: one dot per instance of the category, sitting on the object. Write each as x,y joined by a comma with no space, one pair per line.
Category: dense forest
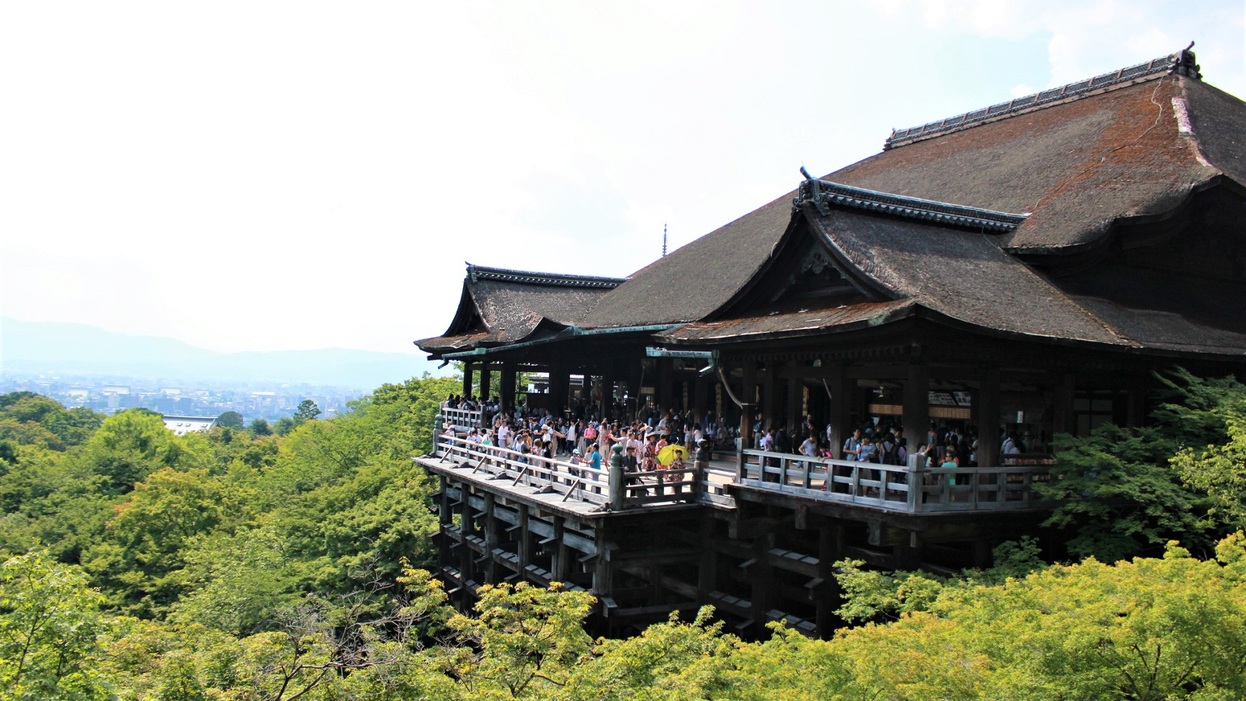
285,562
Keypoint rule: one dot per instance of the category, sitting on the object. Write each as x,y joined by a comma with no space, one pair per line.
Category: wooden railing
895,487
576,482
461,419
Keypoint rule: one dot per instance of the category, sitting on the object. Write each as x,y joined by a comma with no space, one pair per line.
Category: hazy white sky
284,175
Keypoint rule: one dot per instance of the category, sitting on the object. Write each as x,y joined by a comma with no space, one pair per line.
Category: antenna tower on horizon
663,240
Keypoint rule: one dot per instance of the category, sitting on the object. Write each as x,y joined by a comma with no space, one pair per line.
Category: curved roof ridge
476,273
822,193
1181,62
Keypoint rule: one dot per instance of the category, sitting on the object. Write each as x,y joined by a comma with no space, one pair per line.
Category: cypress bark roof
501,306
1077,167
1048,178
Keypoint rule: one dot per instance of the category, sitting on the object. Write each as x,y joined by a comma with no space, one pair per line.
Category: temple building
1019,271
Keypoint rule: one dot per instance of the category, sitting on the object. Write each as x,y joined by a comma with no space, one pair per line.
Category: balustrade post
617,479
915,487
438,425
701,463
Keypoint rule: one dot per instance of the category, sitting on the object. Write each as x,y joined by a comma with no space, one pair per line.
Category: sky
255,176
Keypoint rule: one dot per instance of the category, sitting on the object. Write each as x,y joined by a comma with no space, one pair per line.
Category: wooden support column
467,379
907,551
559,387
841,394
466,528
446,519
770,396
607,392
491,538
792,418
761,576
603,570
1135,411
635,370
826,594
981,553
916,416
707,570
748,395
986,416
1062,405
560,567
665,389
524,551
486,378
696,405
508,385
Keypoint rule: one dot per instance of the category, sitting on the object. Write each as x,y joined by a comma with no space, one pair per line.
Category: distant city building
181,425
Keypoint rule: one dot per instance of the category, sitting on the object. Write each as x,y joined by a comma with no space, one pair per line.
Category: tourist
852,446
950,462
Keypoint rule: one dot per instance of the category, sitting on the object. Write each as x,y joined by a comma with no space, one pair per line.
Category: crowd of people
885,442
586,437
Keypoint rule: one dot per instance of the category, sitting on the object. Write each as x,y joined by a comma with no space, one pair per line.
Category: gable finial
1186,64
664,240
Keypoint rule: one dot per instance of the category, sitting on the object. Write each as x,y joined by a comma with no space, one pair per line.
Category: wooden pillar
707,571
665,389
916,417
603,569
635,371
559,387
466,528
467,379
508,385
446,518
761,575
1062,405
696,405
841,394
1135,411
607,392
491,538
792,416
986,416
485,379
524,551
907,551
748,395
826,595
560,567
770,396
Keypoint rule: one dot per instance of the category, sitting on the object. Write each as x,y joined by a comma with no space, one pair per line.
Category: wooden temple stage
756,536
1034,268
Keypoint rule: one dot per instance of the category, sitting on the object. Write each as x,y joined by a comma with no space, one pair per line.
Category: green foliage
132,444
671,660
141,553
870,595
422,399
1142,629
523,640
230,419
307,410
50,631
30,419
1213,455
1118,496
273,567
1123,493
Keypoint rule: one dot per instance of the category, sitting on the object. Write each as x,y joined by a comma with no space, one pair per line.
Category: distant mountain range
74,349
